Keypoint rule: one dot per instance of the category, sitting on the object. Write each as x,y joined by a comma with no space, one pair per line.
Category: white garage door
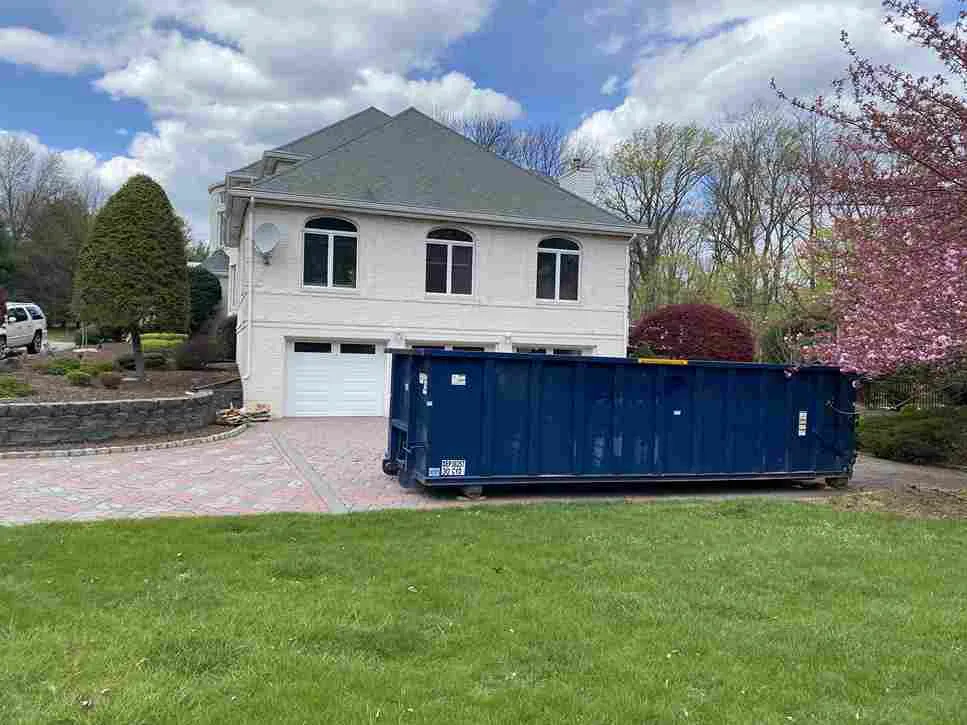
335,378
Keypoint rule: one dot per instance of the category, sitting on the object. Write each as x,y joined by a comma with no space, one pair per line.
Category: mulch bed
115,442
158,384
908,501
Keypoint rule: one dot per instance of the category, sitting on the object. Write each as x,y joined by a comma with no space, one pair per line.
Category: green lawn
742,612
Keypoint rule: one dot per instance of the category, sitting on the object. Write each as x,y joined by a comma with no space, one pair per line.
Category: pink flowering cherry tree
898,194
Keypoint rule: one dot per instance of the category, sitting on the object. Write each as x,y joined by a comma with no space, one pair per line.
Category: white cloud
224,79
728,51
610,86
613,44
28,47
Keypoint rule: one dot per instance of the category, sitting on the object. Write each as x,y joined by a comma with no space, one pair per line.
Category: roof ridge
536,174
326,128
298,164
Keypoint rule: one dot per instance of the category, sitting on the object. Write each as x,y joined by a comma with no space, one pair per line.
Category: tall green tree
131,269
45,261
205,292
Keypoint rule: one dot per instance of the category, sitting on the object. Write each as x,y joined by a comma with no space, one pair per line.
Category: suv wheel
37,344
3,347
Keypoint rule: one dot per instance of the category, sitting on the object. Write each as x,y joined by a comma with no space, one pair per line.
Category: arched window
449,262
329,253
558,269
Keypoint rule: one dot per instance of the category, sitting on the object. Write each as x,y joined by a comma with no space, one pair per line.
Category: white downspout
250,244
627,288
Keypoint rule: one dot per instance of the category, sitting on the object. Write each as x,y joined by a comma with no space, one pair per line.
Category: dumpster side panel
556,432
711,421
638,423
598,410
456,391
510,427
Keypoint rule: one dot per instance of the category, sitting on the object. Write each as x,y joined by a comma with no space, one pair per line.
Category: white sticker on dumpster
434,472
803,417
453,467
458,379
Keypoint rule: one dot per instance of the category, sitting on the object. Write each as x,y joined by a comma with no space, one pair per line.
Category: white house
383,232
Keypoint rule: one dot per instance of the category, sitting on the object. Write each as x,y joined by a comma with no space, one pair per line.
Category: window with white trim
558,269
449,262
329,253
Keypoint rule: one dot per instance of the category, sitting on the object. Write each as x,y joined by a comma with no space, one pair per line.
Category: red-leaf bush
697,332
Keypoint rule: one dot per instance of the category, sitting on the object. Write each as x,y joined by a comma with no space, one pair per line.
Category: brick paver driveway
312,465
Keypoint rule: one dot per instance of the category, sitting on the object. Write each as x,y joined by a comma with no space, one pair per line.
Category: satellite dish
267,237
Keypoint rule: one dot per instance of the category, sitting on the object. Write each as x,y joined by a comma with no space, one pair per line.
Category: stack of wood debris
257,413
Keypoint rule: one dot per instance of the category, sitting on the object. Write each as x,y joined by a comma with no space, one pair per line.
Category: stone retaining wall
93,421
228,394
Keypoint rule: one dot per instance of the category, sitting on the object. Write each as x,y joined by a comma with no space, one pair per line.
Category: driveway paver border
309,473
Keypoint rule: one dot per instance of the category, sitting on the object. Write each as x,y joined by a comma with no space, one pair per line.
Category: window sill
448,297
558,303
335,291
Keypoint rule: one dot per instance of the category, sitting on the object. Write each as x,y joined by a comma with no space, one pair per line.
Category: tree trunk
138,354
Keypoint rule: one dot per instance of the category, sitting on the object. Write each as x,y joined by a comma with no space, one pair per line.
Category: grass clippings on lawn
736,612
909,501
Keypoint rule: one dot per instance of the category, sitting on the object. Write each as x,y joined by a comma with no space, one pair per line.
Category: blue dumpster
472,419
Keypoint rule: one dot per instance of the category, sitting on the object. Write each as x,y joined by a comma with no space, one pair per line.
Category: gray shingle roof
414,160
328,138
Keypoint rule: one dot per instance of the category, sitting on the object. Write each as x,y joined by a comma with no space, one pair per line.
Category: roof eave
415,211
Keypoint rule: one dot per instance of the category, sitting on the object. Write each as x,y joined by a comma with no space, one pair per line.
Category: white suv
25,326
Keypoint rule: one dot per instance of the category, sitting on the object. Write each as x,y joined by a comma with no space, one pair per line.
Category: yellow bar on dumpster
661,361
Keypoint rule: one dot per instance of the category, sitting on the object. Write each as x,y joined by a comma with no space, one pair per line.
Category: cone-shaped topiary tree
131,269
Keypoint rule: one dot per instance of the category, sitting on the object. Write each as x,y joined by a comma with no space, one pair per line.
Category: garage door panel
332,384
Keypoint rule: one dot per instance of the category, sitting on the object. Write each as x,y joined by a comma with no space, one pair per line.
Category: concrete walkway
314,465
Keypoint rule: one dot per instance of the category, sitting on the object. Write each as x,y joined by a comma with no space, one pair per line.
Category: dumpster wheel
390,467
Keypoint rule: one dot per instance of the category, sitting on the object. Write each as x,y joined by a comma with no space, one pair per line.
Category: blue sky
187,89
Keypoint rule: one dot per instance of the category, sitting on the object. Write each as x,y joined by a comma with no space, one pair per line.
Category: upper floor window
329,253
558,265
449,262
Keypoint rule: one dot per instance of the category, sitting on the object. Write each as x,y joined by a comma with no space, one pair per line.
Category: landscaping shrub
96,367
196,353
111,381
10,387
161,345
935,436
60,365
179,336
204,295
64,365
79,377
783,340
227,337
698,332
152,361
